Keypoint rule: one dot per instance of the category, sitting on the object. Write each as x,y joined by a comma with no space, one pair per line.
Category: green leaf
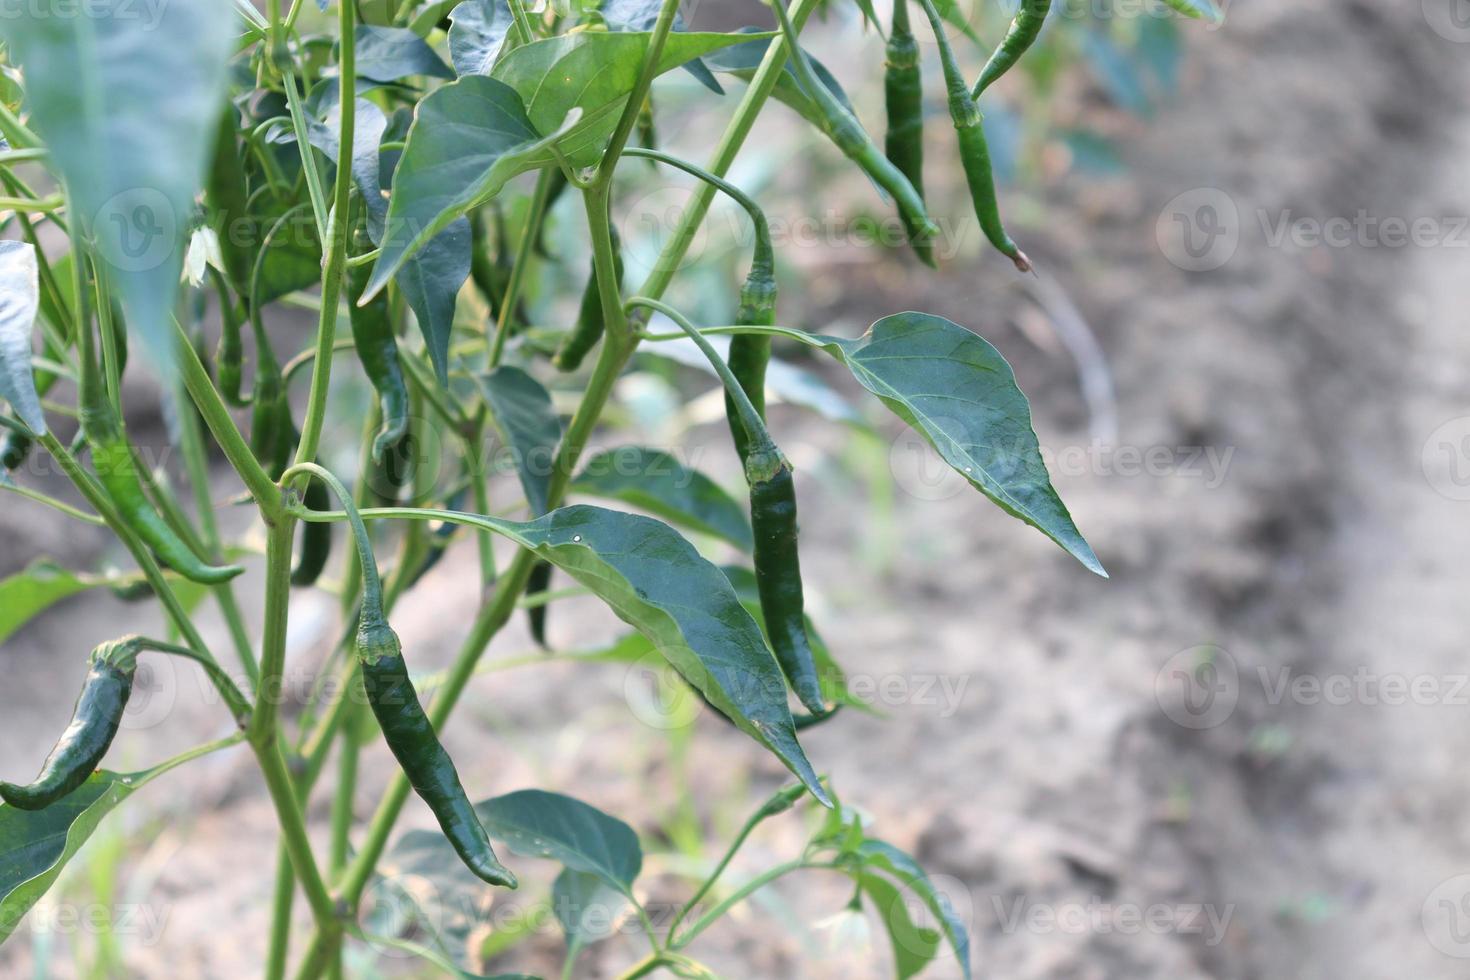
421,888
126,99
642,15
386,54
536,823
41,585
528,423
35,845
594,71
477,34
952,12
889,859
432,277
792,384
660,484
468,138
587,908
1198,9
914,946
742,60
656,581
961,395
20,298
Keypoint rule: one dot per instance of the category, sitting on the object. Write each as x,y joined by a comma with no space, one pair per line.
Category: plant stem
524,251
741,894
661,29
52,502
236,702
281,902
762,84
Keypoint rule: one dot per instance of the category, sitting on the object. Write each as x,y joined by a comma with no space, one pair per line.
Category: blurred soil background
1276,478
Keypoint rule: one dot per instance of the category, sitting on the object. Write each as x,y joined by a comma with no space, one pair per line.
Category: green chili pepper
844,130
554,191
395,703
94,723
590,324
537,582
904,94
14,449
490,274
377,350
272,433
751,353
1023,32
974,153
229,355
316,539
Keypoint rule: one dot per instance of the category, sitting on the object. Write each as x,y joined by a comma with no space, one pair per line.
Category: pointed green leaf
960,394
468,138
882,856
35,845
422,889
594,71
656,581
19,300
642,15
386,54
126,99
742,60
536,823
528,423
660,484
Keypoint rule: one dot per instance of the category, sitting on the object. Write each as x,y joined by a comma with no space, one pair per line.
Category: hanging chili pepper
272,433
377,351
94,723
590,323
844,130
904,95
316,538
14,449
395,703
1023,32
974,153
490,273
537,582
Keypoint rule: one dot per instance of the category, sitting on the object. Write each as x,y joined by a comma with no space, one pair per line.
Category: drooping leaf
386,54
432,277
126,101
642,15
959,393
587,908
528,423
19,300
882,856
468,138
35,845
914,946
660,484
656,581
594,71
743,59
537,823
477,34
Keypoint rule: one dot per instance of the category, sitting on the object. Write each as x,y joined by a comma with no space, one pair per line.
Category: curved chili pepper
377,351
844,130
1023,32
974,152
395,703
112,457
778,570
272,433
904,96
94,723
411,738
316,538
590,323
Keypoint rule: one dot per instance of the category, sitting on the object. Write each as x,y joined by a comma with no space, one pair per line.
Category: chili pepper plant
176,176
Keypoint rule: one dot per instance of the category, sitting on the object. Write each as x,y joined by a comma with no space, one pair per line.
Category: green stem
741,894
524,251
661,29
281,901
335,241
52,502
236,701
522,21
308,153
762,84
